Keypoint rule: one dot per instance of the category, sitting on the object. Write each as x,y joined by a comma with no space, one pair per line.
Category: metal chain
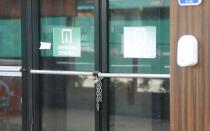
98,82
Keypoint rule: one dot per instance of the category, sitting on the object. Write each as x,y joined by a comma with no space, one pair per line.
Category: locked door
138,42
66,101
101,65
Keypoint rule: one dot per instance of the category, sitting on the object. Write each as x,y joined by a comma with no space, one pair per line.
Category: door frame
30,40
30,16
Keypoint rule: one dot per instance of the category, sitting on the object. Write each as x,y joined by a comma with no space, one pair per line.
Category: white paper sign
140,42
45,46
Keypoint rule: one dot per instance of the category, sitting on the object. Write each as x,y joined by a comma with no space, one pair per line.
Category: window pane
139,43
139,104
59,16
10,104
139,36
68,103
10,32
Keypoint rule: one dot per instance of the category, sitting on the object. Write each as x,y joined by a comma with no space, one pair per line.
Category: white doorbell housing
187,51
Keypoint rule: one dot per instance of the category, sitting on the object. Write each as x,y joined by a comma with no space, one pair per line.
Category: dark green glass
10,33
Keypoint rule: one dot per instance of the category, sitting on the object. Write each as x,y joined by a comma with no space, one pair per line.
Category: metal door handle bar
10,69
61,72
125,75
103,75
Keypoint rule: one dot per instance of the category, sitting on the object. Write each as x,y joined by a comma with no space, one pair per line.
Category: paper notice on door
45,46
140,42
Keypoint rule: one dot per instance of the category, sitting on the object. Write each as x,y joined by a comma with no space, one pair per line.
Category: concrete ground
81,120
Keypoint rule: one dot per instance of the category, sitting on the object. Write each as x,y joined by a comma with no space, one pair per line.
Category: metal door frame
30,64
30,19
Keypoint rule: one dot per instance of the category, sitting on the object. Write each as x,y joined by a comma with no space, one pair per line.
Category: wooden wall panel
189,86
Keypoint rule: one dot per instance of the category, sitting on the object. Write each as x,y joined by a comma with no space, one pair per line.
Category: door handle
61,72
10,68
99,74
133,75
10,71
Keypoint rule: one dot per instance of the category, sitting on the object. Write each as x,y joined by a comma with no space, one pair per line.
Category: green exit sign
67,42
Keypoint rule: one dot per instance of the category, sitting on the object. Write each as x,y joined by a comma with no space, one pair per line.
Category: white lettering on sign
67,42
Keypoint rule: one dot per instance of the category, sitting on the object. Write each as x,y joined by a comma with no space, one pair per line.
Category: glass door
139,44
67,102
10,65
123,44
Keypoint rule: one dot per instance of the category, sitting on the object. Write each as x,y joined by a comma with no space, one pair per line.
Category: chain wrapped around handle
98,83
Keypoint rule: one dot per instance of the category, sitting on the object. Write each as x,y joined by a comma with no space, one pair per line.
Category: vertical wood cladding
189,86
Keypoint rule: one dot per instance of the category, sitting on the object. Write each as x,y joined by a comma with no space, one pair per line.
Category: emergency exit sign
67,42
189,2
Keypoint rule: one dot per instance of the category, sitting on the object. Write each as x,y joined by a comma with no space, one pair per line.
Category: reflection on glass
64,14
139,36
10,32
139,104
10,104
139,43
68,103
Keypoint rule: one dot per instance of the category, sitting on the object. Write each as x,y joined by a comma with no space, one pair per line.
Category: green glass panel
126,4
47,25
87,39
146,16
10,38
86,24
